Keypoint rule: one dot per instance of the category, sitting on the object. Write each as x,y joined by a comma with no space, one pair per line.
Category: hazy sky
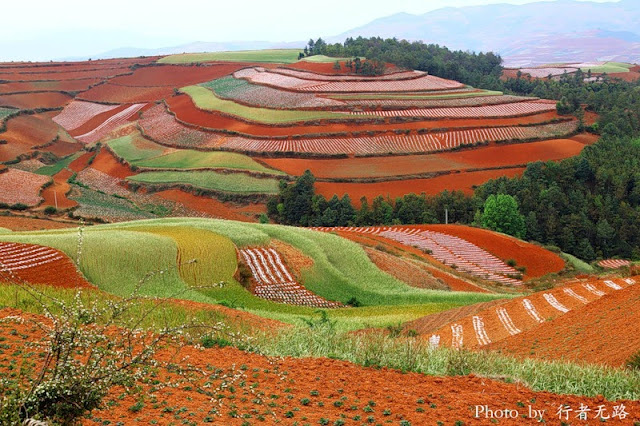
41,29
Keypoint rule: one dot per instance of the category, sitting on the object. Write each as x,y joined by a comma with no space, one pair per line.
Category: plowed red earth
33,74
125,94
477,158
464,181
185,110
404,270
213,207
273,387
56,194
96,121
626,76
177,75
62,147
35,100
20,223
106,163
537,260
606,331
33,86
433,322
81,162
60,272
24,132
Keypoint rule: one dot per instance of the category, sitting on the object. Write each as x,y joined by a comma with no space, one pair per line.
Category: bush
19,206
50,210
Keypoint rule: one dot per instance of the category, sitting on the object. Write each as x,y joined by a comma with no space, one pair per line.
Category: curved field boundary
518,109
411,144
77,113
421,84
308,75
274,281
523,314
110,124
468,100
446,249
38,265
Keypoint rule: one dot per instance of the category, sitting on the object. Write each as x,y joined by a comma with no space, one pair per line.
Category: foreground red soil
287,390
486,157
604,332
464,182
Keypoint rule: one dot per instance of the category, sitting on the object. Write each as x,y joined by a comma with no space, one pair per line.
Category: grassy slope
57,167
140,152
5,112
326,59
609,67
285,56
232,183
205,99
115,257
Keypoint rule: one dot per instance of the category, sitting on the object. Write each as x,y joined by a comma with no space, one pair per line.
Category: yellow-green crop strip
278,56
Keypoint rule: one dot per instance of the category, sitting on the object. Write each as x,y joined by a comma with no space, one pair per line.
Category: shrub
50,210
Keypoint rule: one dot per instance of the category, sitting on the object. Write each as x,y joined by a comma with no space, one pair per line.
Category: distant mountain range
530,34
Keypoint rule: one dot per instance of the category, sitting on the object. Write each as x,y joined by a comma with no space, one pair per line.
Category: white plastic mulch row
614,263
485,111
77,113
14,257
275,282
110,124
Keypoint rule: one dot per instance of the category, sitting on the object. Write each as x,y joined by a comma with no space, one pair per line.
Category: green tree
501,214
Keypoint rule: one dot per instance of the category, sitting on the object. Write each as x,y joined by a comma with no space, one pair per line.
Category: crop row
307,75
424,83
77,113
438,102
495,324
110,124
381,145
20,187
275,282
614,263
485,111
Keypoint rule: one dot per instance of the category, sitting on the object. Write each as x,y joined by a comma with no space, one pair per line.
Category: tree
336,66
501,214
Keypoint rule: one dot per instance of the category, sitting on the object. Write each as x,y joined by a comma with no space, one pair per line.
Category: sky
45,29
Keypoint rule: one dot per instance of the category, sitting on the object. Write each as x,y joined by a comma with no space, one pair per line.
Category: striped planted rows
450,250
420,84
275,282
20,187
306,75
77,113
486,111
110,124
614,263
516,316
38,265
381,145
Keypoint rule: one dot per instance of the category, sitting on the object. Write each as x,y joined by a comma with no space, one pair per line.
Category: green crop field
232,183
609,68
205,99
280,56
57,167
5,112
141,152
115,257
326,59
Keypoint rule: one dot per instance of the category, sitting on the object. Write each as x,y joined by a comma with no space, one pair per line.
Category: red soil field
58,191
32,86
213,207
177,75
464,182
35,100
484,157
96,121
34,75
186,111
21,223
39,265
115,94
606,331
538,261
106,163
81,162
416,398
63,147
630,76
24,132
